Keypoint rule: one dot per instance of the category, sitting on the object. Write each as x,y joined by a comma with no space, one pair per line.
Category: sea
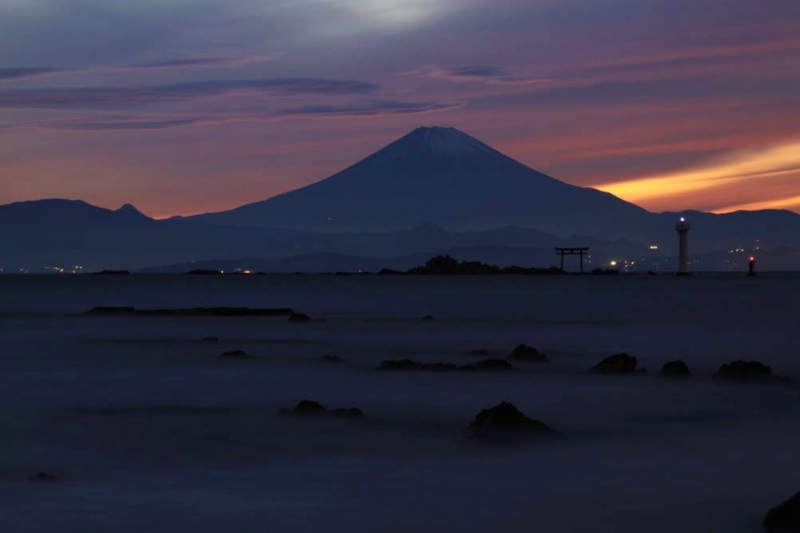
144,428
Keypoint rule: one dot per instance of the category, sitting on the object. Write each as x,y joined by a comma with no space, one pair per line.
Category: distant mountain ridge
435,190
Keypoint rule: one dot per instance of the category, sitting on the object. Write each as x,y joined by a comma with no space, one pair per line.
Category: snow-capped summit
442,141
440,176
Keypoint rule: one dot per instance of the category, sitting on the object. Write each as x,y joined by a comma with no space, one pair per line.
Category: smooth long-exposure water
147,429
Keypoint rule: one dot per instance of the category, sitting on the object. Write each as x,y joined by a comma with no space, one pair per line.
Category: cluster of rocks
624,364
408,364
311,408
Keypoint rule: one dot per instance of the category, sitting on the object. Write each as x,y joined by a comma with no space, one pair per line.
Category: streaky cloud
368,109
110,97
13,73
201,62
122,125
475,73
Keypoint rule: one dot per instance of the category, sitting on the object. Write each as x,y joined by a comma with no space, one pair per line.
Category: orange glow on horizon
740,169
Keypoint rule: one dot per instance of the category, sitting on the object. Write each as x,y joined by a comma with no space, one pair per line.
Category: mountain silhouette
438,176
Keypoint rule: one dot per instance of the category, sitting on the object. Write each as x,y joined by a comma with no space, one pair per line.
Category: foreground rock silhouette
620,363
784,517
744,370
523,352
311,408
675,369
504,420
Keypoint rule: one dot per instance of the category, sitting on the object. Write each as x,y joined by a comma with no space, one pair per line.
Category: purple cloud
111,97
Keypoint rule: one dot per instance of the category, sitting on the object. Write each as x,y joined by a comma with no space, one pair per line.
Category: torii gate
571,251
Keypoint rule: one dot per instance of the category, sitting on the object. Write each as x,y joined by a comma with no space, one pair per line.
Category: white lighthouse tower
683,228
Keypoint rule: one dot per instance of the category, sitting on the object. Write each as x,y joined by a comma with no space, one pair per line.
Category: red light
752,258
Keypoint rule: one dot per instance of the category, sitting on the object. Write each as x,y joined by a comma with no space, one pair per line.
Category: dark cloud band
111,97
369,109
23,72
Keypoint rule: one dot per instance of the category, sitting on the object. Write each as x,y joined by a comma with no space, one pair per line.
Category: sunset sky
190,106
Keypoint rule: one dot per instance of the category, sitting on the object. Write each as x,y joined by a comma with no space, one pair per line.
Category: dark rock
43,477
675,369
407,364
523,352
493,364
311,408
427,318
505,418
111,311
299,317
235,354
744,370
481,353
331,359
785,517
210,340
620,363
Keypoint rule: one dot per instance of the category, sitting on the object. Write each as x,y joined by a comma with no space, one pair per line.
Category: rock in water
785,517
427,318
675,369
309,407
407,364
316,409
43,477
331,359
523,352
620,363
505,419
210,340
235,354
299,317
744,370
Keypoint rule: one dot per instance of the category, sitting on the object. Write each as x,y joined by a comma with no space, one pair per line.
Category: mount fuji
439,176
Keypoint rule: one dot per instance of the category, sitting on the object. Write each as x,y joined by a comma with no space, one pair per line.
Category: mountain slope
439,176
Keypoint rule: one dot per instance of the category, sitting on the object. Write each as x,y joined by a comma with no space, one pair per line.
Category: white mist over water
147,430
